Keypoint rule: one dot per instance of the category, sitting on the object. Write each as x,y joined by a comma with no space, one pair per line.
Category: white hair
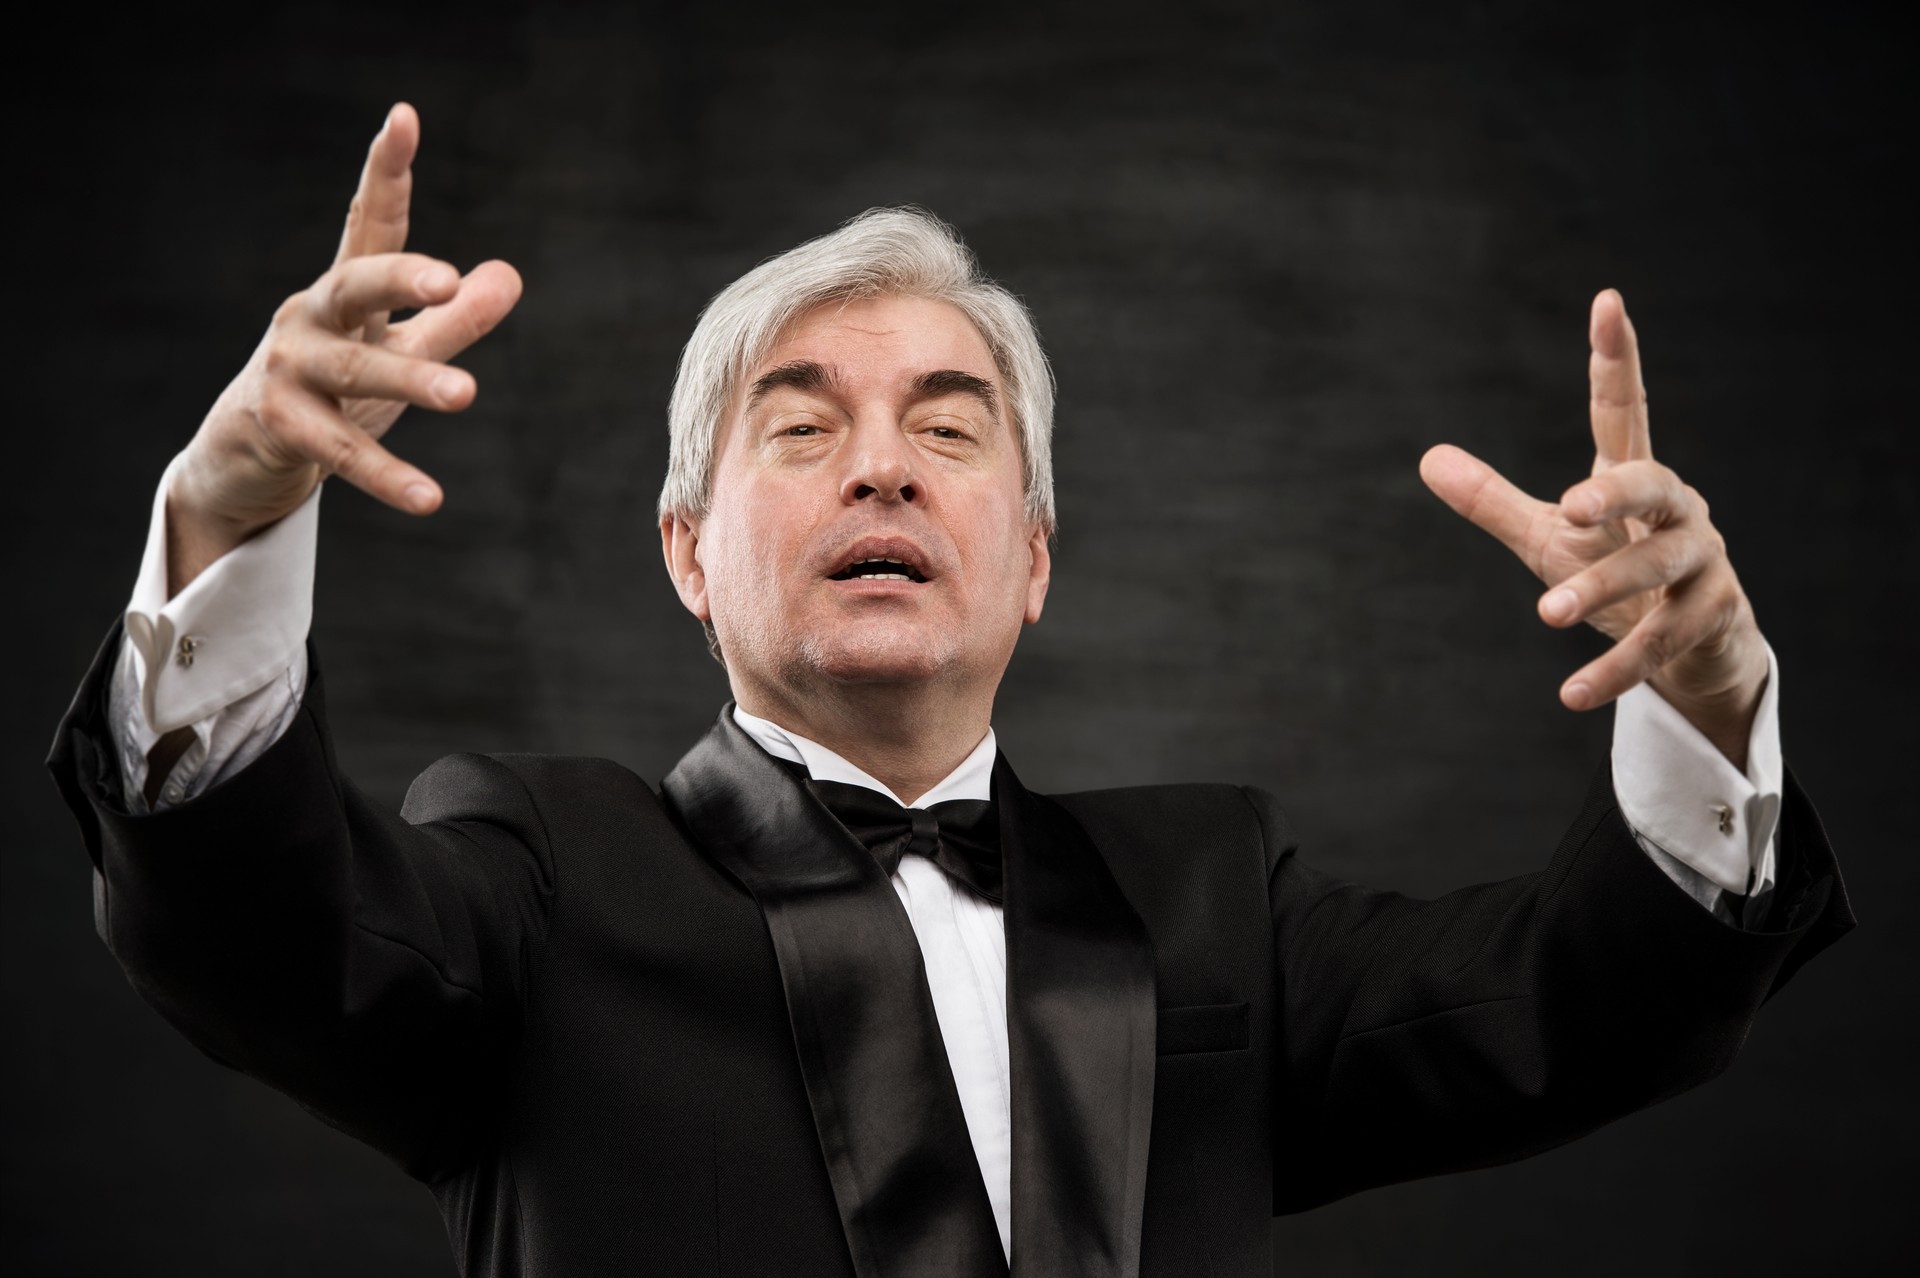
884,252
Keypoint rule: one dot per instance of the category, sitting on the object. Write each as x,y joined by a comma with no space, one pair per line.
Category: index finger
1619,397
377,218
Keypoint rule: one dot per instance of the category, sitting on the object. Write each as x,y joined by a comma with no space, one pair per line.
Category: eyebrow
810,375
951,381
800,374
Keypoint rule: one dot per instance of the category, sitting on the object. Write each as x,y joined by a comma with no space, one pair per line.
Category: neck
908,737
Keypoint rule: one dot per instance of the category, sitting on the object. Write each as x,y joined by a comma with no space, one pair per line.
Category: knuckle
346,454
1657,648
345,365
1665,560
273,406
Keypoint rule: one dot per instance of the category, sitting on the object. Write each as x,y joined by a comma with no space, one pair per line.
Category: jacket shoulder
526,791
1197,817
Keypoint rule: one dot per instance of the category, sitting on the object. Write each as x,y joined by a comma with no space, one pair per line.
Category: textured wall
1275,250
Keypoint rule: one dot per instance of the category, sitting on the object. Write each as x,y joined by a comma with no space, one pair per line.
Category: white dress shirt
227,658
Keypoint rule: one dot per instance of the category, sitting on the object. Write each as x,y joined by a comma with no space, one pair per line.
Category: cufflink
1724,815
189,644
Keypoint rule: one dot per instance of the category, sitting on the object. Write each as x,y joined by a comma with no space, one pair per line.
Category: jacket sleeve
1422,1037
370,965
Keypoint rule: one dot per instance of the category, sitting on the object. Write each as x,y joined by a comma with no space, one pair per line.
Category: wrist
206,522
1719,692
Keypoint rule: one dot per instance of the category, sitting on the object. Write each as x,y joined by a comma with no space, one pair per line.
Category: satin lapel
1080,1013
884,1103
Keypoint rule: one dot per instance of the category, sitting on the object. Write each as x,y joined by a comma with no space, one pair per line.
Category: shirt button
172,792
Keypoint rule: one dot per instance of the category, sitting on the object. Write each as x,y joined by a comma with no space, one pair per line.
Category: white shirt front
227,658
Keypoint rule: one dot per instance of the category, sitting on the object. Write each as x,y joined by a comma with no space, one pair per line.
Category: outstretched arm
214,662
370,965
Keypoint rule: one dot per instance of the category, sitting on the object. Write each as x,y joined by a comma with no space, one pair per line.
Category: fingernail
419,498
436,279
1577,695
447,387
1560,605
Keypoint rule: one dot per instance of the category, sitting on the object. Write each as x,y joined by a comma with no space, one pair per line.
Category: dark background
1274,252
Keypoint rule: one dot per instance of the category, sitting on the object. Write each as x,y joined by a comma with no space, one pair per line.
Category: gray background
1276,251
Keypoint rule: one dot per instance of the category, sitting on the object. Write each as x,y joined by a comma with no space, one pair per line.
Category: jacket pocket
1212,1027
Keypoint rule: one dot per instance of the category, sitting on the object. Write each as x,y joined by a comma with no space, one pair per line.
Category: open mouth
879,569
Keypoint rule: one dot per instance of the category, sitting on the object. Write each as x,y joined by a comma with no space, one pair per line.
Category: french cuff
1678,791
235,627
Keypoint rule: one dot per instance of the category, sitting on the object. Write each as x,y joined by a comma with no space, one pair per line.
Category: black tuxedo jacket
688,1032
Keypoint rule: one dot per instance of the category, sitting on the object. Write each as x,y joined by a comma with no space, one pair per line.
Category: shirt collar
973,779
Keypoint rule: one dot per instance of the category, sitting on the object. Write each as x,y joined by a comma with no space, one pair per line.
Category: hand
1631,552
331,375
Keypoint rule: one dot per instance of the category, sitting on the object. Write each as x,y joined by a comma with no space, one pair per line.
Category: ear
1040,572
679,540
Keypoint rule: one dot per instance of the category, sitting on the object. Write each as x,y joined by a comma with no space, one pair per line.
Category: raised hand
332,375
1630,551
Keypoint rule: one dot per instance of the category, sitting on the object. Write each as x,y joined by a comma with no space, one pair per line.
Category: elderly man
842,996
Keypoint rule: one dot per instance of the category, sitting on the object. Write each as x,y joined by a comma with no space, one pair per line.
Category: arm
371,966
1422,1037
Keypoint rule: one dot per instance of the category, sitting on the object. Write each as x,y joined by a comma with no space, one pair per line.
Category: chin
876,654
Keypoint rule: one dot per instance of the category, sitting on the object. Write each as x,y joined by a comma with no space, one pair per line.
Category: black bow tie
961,836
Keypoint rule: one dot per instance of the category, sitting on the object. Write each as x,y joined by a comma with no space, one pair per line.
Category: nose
881,467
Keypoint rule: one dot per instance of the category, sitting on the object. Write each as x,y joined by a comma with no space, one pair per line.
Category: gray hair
884,252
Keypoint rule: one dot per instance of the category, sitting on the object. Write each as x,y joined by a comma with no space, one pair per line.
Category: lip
904,549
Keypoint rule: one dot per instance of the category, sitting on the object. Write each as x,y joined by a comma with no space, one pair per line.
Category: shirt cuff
238,625
1680,793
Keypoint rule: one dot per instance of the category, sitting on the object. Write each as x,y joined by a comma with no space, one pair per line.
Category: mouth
876,560
881,569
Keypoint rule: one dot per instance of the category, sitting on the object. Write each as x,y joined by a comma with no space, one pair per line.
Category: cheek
755,548
1001,559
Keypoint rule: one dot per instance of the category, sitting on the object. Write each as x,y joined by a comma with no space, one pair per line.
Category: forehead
883,340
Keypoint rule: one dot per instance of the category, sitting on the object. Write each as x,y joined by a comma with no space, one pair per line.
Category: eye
801,430
947,432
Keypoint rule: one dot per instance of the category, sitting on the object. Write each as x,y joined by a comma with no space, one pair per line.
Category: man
768,1019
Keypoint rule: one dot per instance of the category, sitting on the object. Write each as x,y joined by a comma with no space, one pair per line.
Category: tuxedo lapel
884,1103
1080,1012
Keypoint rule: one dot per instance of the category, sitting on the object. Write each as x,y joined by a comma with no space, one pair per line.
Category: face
867,522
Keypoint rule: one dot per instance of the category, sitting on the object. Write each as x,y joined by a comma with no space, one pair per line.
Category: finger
312,428
377,218
1681,623
1481,494
1618,396
344,368
1666,558
440,332
1643,490
343,298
